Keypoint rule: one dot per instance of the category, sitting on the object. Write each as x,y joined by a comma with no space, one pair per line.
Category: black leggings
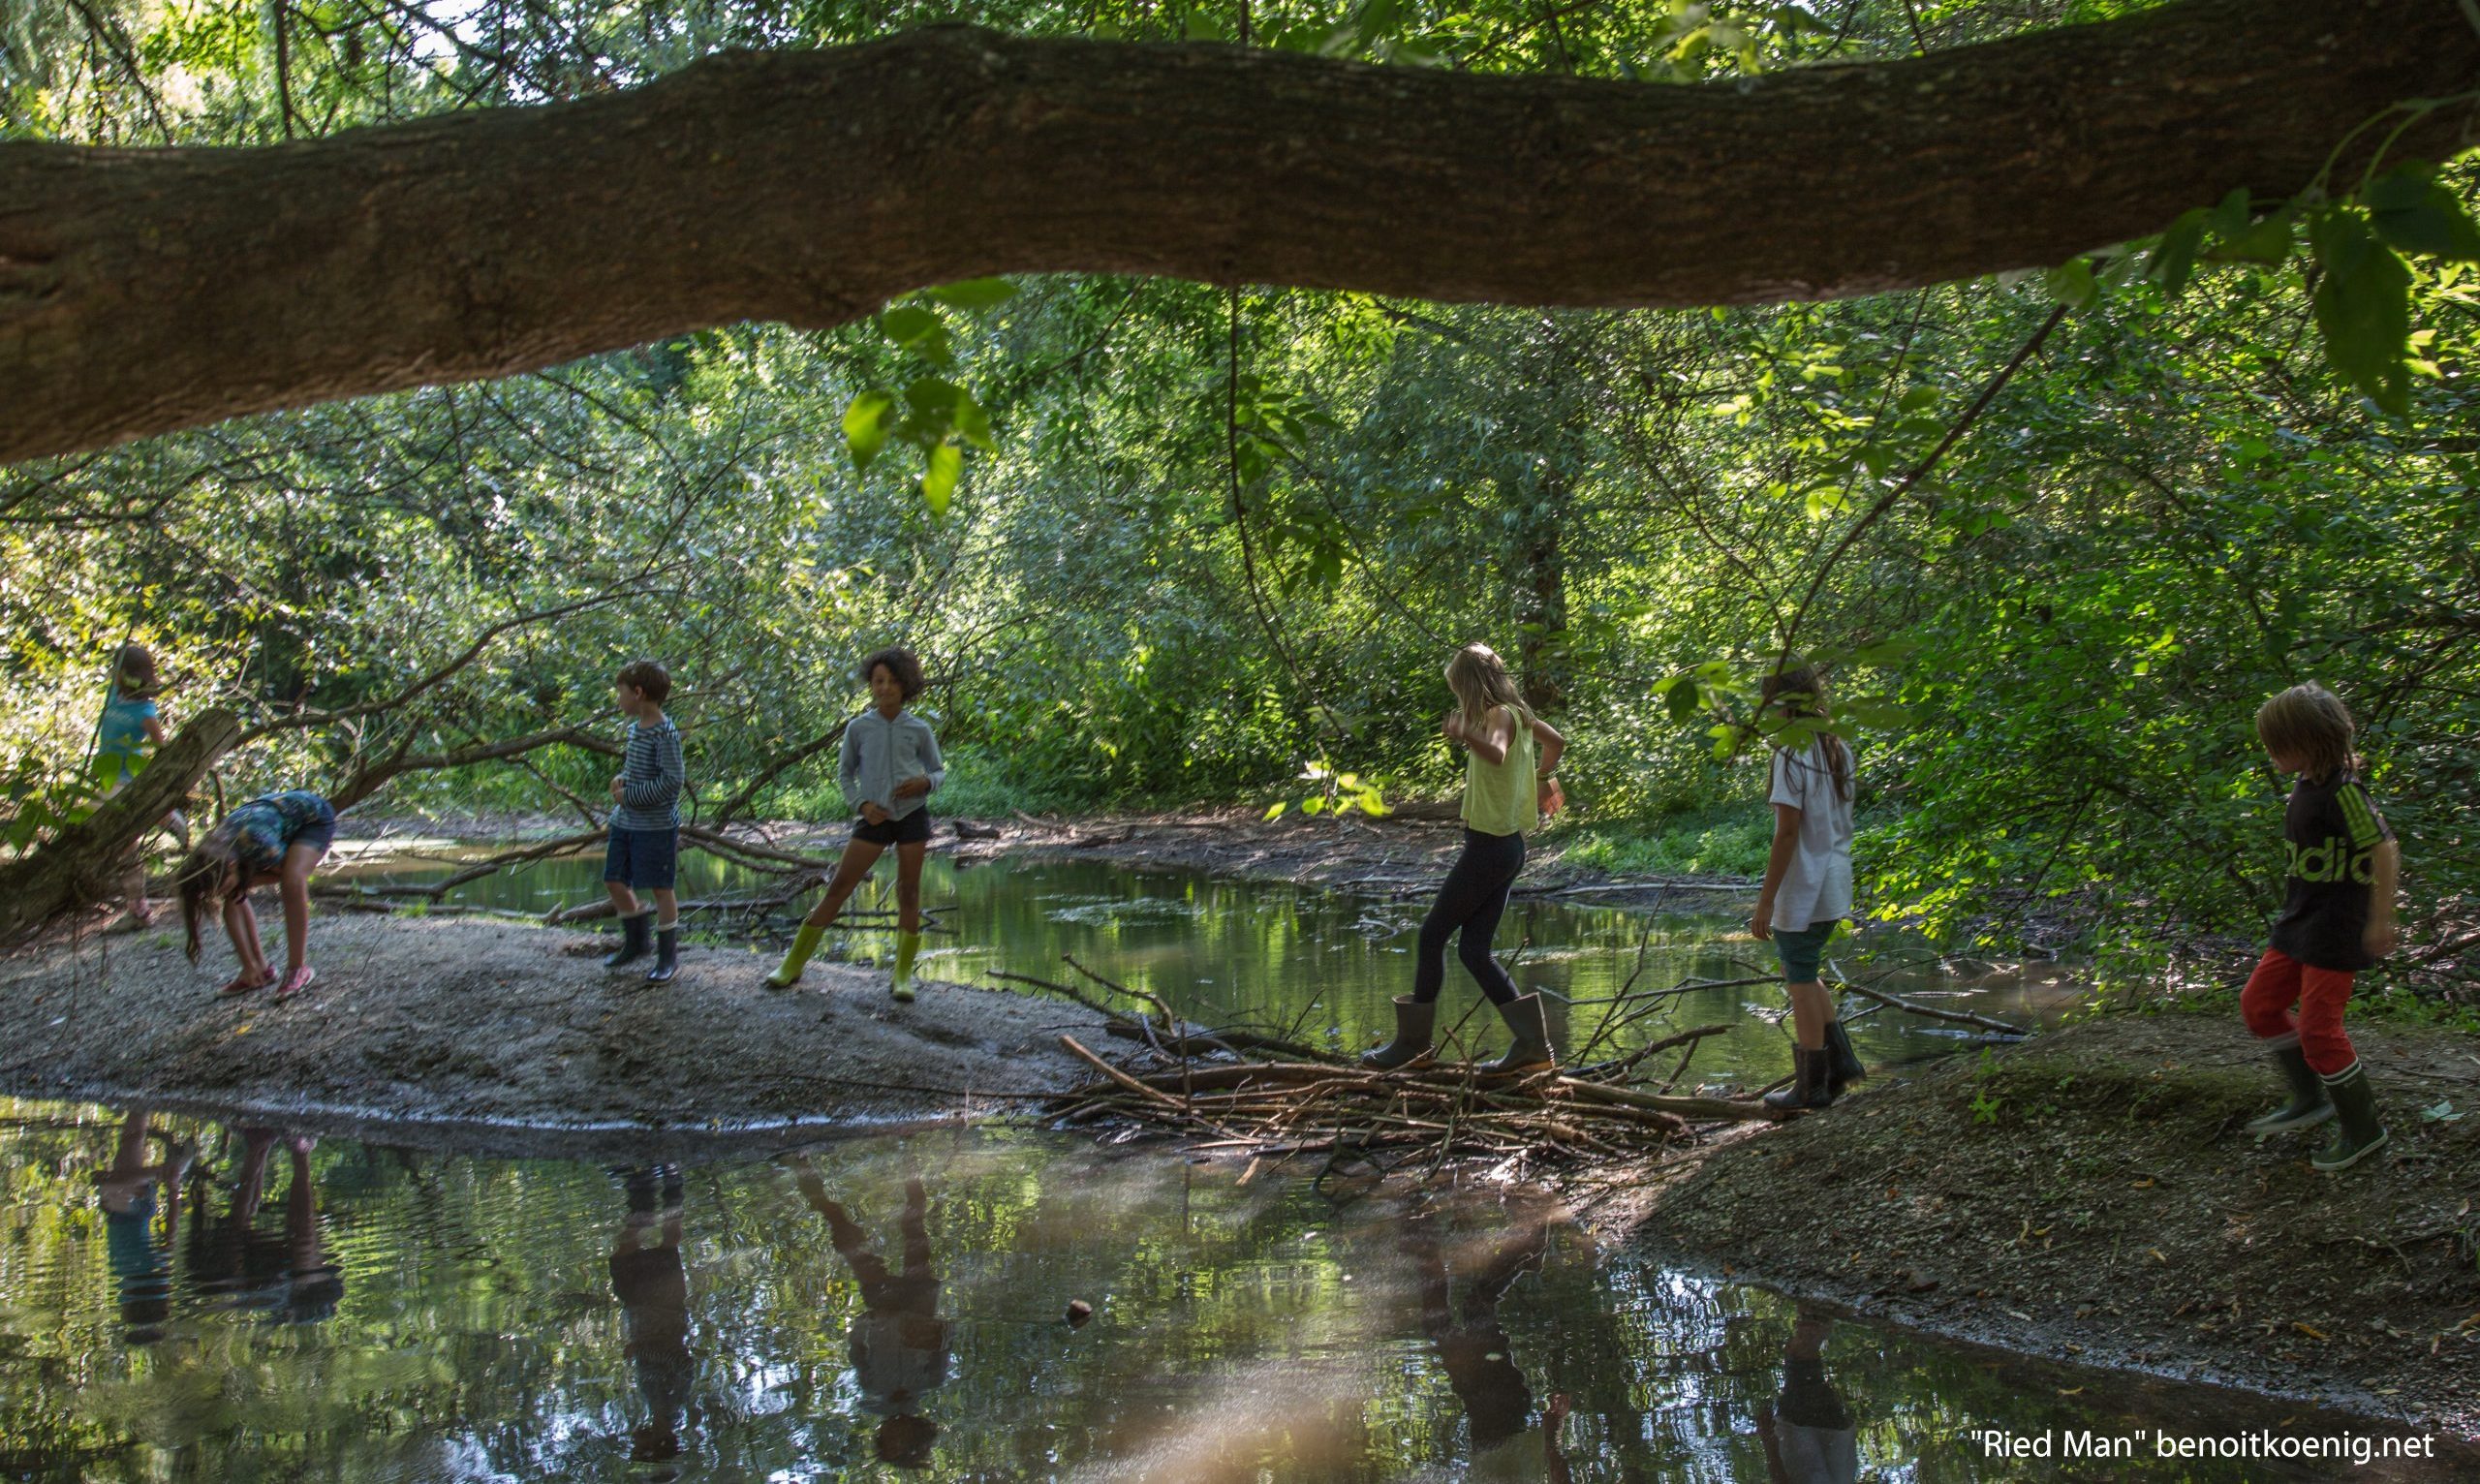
1470,901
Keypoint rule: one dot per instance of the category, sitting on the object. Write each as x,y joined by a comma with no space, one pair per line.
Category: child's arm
1778,861
2386,864
934,769
1491,747
847,769
670,772
1551,745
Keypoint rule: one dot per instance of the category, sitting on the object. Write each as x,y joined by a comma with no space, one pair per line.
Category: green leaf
1875,711
2174,257
1280,805
938,484
2071,283
975,293
2413,211
1683,700
2362,308
972,423
867,421
2230,215
2268,241
919,330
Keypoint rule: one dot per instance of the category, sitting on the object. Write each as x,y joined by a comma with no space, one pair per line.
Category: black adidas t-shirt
2330,833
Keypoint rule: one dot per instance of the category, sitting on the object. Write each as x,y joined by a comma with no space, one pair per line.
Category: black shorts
907,829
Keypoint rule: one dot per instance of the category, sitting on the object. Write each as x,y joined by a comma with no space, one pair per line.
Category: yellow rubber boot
796,958
907,944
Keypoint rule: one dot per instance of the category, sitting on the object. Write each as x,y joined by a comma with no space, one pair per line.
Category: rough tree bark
143,291
85,861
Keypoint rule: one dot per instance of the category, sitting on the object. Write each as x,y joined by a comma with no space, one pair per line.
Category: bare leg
295,890
624,902
907,885
241,925
1812,1008
666,906
859,856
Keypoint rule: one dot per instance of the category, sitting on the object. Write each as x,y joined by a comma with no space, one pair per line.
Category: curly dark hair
651,679
901,663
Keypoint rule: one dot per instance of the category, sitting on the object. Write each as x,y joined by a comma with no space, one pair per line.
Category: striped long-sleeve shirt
650,779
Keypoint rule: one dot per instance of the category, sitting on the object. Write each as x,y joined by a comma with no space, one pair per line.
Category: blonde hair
1480,681
2310,723
1796,683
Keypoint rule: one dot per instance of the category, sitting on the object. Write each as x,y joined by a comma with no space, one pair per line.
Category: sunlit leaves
2362,303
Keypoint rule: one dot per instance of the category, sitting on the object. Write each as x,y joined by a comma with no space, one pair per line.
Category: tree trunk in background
1541,591
143,291
85,862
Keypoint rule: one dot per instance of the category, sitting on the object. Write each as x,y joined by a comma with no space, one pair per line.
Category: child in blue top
126,736
889,767
274,838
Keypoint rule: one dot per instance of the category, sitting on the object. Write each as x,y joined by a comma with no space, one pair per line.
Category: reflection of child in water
653,1290
899,1342
1478,1358
1808,1435
128,1192
288,1279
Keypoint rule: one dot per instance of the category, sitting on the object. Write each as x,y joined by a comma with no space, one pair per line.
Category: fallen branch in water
1913,1007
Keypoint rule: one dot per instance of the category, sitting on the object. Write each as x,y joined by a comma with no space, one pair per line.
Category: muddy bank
455,1031
2091,1195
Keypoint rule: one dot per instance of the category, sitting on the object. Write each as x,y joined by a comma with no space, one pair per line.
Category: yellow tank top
1502,799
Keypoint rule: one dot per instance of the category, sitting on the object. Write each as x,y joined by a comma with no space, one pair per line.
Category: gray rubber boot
1811,1073
1529,1024
2309,1105
636,938
1847,1065
667,955
1415,1024
2358,1133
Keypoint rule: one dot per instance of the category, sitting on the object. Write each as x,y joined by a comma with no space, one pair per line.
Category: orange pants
2282,981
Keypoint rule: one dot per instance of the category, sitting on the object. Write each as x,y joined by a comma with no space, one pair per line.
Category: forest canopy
2055,531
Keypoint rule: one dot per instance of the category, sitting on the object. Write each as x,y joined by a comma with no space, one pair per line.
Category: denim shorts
647,859
1804,951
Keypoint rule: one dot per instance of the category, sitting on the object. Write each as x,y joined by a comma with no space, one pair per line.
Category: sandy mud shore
2093,1196
475,1030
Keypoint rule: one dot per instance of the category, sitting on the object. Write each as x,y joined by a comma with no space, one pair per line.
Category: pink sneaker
243,982
296,982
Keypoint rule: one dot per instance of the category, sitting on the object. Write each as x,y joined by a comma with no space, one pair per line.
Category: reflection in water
819,1319
1478,1357
899,1344
652,1286
129,1192
1809,1436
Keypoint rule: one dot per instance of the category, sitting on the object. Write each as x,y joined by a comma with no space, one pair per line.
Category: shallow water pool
183,1299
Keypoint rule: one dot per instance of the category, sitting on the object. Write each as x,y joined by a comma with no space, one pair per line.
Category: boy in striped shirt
644,850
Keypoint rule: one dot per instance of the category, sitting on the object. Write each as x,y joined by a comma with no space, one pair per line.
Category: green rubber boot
1527,1024
796,958
907,945
2357,1132
2309,1105
1414,1023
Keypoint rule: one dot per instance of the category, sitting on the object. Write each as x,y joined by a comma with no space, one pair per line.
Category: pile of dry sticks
1272,1099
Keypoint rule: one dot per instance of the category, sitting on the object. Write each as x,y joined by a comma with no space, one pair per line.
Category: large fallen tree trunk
85,861
143,291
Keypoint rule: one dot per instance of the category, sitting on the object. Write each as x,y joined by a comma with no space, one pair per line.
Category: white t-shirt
1816,886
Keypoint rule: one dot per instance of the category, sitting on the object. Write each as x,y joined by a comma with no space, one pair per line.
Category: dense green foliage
1162,541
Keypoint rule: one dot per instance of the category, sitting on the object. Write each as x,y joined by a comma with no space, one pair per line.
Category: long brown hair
1801,691
202,875
1481,684
134,672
